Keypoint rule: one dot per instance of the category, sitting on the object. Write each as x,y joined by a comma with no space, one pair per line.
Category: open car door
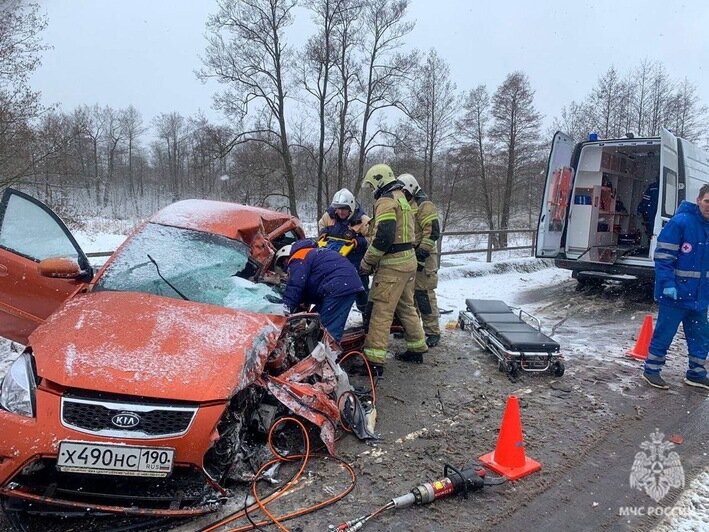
29,233
557,193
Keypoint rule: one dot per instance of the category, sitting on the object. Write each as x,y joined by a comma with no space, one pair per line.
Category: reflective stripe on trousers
392,291
696,333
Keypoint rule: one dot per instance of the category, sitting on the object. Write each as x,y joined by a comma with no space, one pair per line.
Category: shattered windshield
203,267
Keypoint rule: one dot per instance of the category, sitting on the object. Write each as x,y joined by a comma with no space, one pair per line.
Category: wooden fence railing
490,248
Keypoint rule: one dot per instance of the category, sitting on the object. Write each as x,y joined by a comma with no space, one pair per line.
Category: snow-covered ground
496,280
691,513
98,242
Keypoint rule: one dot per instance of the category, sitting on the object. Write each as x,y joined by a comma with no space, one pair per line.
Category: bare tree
432,109
318,63
171,129
454,173
89,125
473,130
687,116
52,136
113,132
247,52
20,48
605,99
516,132
576,120
660,91
643,102
624,121
132,125
384,28
347,40
641,77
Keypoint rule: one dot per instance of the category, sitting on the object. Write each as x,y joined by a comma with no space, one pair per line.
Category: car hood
153,346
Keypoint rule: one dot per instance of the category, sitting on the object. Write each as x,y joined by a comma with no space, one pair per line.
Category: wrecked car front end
125,453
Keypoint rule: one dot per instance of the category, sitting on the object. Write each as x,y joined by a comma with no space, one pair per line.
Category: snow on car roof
228,219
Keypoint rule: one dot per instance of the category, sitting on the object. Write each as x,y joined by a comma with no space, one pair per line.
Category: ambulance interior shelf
599,219
606,187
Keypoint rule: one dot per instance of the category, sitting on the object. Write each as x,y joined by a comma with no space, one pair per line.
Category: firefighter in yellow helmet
391,258
427,234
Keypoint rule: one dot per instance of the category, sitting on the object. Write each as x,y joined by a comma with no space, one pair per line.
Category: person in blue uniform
321,277
344,223
682,291
647,208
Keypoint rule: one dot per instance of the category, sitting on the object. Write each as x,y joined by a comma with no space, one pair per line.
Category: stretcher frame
543,358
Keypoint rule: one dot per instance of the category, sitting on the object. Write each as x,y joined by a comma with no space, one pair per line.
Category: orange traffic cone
639,352
508,458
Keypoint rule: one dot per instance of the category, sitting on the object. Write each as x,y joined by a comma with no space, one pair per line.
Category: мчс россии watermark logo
657,470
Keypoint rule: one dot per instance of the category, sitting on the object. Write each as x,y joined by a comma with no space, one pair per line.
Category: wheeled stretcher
507,333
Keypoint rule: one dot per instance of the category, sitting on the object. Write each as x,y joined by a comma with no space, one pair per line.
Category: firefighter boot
410,356
432,340
361,369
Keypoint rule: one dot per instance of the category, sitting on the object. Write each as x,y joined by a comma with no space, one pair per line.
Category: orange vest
300,254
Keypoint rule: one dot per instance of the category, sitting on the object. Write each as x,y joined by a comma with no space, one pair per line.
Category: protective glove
323,233
670,292
365,268
349,235
421,255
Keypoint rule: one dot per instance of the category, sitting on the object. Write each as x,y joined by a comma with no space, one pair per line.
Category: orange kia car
149,386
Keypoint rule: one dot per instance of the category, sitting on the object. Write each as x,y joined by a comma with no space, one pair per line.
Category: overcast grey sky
144,52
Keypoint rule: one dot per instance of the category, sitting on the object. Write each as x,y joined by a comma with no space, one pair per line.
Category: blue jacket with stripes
314,273
682,259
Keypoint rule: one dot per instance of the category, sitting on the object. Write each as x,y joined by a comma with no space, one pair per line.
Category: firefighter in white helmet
427,234
390,257
281,258
344,226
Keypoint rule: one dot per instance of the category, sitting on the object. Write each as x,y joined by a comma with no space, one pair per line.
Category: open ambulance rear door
557,193
670,189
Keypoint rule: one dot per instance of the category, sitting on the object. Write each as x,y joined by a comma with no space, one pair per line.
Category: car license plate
104,459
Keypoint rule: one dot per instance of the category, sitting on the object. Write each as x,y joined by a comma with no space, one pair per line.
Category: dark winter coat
682,259
647,207
338,227
314,273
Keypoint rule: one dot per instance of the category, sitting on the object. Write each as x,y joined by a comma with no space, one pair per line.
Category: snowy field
461,277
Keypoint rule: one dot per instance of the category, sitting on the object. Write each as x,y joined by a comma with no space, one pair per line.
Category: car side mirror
59,268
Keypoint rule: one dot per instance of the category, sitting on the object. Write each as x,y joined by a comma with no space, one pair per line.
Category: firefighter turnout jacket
427,232
391,256
393,234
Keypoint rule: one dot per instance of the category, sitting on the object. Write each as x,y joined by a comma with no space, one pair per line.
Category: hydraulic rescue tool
454,481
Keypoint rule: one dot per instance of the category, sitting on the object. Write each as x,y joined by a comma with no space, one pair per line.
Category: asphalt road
592,492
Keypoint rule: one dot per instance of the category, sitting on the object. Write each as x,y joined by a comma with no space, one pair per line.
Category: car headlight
18,387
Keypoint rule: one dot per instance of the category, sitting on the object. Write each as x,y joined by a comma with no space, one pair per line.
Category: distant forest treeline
305,122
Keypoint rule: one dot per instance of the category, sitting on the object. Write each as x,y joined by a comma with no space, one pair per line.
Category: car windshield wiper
168,283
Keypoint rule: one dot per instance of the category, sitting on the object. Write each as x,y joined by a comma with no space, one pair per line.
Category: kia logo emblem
126,420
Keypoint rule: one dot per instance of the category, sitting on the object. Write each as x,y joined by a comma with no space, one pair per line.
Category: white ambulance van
594,220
